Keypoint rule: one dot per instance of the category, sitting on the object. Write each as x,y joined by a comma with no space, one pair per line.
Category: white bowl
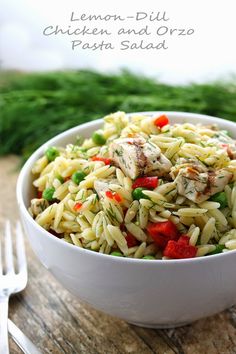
147,293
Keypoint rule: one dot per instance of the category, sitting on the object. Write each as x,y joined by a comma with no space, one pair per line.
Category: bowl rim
38,152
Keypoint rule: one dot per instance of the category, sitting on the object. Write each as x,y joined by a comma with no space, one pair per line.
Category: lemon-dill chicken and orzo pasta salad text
141,187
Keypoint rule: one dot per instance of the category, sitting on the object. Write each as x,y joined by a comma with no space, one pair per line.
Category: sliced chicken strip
137,157
199,186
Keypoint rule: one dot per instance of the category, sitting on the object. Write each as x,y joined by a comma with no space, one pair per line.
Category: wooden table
57,322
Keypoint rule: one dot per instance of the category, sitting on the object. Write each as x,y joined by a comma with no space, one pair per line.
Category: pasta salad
141,187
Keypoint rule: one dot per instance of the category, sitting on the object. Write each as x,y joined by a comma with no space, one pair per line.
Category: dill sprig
35,107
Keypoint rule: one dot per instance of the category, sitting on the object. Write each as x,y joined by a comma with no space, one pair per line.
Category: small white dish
159,294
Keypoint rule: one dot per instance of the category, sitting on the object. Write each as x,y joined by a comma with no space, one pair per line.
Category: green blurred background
35,107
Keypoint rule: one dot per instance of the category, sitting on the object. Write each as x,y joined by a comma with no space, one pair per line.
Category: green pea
149,257
220,198
116,253
137,193
219,249
98,138
78,176
51,153
60,178
48,193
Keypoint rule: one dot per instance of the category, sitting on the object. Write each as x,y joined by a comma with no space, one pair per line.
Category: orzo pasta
141,187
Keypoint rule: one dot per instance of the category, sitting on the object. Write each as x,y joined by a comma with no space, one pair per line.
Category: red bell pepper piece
131,240
183,240
114,196
177,250
117,197
162,232
77,206
161,121
103,159
109,194
145,182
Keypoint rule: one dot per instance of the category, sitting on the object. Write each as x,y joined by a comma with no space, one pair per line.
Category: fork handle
4,345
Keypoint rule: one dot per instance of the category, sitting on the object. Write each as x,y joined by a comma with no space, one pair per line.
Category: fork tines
6,250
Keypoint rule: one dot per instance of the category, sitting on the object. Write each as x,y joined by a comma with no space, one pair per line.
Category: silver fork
11,281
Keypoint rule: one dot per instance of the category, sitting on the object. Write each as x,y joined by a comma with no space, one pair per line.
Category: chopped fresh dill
119,153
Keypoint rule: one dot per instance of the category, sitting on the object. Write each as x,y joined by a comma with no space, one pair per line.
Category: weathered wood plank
58,323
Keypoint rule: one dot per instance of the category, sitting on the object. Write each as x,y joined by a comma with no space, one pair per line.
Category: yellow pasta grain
139,253
58,215
219,216
119,238
190,212
88,234
194,234
204,250
208,231
47,215
76,240
136,231
40,165
231,244
209,205
132,211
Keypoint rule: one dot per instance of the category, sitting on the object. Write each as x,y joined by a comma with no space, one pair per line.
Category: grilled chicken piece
199,186
137,157
102,185
187,162
38,205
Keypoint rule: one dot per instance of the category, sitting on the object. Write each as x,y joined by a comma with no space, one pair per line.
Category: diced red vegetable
131,240
109,194
117,197
161,121
177,250
39,194
103,159
145,182
67,178
183,240
114,196
77,206
162,232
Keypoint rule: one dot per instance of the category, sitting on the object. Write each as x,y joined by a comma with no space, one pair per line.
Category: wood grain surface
57,322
